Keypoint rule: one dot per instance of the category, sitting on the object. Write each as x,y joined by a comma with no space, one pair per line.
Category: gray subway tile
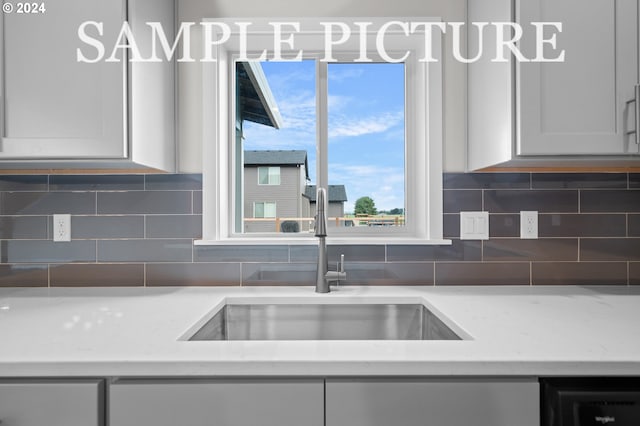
512,201
406,273
624,200
35,275
634,180
356,253
97,275
459,250
543,249
96,182
457,200
24,182
451,225
145,202
613,249
268,274
578,180
155,250
582,225
634,225
174,226
478,273
38,203
241,253
23,227
173,182
504,225
634,273
41,251
197,202
303,253
98,227
579,273
485,180
193,274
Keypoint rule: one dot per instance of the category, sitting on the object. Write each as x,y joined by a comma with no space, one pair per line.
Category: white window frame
423,137
269,183
264,203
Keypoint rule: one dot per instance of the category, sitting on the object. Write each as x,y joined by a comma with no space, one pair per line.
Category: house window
264,210
401,172
268,175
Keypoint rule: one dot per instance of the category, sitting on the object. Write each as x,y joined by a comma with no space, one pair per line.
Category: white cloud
346,126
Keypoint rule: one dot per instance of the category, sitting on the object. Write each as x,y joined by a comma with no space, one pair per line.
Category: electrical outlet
61,227
529,225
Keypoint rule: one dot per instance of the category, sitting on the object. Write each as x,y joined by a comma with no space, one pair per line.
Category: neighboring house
336,197
274,184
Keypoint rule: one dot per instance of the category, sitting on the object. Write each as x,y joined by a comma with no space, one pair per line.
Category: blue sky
366,125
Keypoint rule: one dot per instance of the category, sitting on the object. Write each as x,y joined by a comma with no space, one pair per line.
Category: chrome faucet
323,276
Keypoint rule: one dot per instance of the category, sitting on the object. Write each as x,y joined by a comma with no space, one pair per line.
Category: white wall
190,77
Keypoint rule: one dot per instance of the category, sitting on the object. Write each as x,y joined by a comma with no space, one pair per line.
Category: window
264,210
268,175
392,156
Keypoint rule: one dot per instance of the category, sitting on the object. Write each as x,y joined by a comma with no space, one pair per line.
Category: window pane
259,210
367,142
277,164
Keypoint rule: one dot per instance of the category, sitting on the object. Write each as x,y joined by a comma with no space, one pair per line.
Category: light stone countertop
515,331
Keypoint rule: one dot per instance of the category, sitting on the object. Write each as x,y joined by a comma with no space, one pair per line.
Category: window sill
308,241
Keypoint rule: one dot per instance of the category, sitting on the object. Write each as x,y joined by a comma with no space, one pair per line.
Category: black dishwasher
590,401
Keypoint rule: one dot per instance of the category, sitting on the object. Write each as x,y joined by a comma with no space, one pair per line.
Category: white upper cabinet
562,113
59,112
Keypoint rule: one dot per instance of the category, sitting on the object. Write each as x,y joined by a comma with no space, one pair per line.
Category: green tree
365,205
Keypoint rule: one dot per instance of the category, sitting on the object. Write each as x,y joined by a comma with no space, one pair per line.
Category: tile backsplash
137,230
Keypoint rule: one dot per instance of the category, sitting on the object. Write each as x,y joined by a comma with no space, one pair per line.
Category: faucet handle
341,264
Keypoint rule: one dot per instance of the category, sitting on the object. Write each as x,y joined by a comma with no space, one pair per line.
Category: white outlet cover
529,225
61,227
474,225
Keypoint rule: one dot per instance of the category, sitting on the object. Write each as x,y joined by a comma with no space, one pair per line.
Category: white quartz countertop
515,331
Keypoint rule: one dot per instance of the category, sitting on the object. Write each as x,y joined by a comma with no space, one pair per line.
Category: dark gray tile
145,202
97,275
541,250
23,227
197,202
96,182
634,273
99,227
174,226
39,251
241,253
615,249
512,201
38,203
459,250
582,225
634,225
451,225
456,200
485,180
512,273
504,225
193,274
24,182
24,275
407,273
144,250
623,200
303,253
356,253
634,180
578,180
174,182
579,273
268,274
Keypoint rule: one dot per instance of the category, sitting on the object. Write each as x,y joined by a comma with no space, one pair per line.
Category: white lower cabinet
416,402
217,402
52,403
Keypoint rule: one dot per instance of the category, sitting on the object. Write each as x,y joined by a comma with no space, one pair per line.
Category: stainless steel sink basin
285,321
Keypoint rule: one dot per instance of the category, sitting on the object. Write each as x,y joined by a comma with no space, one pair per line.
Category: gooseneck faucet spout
323,275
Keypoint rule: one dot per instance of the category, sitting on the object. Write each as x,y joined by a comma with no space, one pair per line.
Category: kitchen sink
327,321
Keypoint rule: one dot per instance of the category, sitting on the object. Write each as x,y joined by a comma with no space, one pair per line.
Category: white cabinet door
52,106
69,403
217,403
373,402
578,106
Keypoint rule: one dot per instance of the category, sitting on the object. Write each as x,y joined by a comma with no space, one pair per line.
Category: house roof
255,99
277,158
336,193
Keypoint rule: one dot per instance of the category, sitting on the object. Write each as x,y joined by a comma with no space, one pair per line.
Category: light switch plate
474,225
